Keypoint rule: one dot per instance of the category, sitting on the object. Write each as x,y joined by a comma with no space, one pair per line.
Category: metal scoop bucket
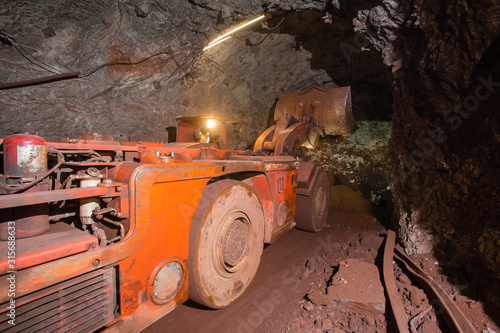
329,107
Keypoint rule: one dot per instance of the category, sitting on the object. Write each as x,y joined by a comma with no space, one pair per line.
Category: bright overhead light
225,36
211,45
210,123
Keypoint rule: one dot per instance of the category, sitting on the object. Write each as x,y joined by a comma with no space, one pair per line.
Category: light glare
220,41
225,36
210,123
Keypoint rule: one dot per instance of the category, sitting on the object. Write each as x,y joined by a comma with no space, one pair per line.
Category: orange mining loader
101,235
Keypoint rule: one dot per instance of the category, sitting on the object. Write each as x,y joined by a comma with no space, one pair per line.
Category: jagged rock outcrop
445,143
445,135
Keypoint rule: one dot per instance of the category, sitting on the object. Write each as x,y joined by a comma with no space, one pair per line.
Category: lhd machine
101,235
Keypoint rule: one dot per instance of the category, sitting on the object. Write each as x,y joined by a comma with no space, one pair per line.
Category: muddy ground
329,282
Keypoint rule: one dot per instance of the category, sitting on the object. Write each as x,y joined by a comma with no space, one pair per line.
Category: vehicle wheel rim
232,243
320,202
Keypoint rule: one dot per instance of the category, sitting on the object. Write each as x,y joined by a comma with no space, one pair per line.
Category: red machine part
24,160
24,155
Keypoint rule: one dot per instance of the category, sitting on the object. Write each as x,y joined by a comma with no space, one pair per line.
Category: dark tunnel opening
345,55
361,163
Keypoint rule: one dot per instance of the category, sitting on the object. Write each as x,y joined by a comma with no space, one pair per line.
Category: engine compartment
56,175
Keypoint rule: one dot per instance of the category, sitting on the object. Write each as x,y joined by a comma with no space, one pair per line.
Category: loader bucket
329,107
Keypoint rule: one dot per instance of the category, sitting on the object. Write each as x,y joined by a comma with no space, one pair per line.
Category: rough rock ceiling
164,74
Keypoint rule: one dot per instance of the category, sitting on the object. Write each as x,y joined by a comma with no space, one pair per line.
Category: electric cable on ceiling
92,71
74,75
9,40
35,61
59,75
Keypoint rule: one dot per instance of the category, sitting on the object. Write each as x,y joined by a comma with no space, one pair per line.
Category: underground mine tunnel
152,176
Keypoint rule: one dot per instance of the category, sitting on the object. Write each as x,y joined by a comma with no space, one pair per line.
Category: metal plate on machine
62,240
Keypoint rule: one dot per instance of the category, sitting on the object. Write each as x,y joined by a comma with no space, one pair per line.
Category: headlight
210,123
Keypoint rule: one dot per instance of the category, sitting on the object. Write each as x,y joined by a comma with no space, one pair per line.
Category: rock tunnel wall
445,143
445,137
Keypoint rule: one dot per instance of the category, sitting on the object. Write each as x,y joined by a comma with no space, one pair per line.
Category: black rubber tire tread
308,219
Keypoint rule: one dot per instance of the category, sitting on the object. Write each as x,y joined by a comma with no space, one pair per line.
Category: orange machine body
155,190
95,234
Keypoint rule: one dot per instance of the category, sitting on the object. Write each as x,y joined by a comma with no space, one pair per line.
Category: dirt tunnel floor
325,282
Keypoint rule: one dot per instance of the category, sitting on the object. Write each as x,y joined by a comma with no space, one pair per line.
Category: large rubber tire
312,211
226,243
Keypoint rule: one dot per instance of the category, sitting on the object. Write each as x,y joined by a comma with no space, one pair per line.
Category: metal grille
82,304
